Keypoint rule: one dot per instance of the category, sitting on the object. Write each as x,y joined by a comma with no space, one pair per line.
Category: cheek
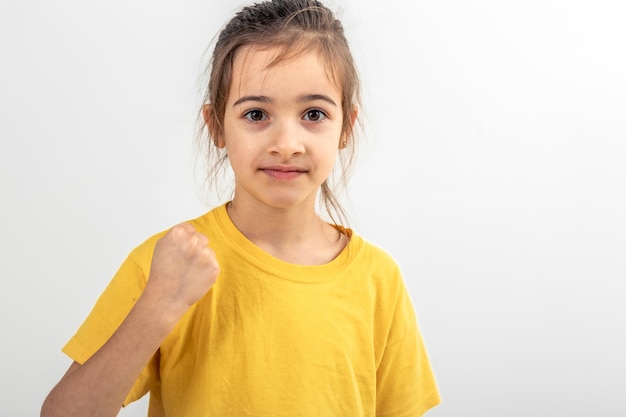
241,153
329,159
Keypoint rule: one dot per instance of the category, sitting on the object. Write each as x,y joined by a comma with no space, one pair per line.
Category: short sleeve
107,315
405,384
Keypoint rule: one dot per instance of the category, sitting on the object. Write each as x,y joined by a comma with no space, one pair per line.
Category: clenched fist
183,268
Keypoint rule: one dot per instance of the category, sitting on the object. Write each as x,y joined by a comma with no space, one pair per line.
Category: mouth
283,171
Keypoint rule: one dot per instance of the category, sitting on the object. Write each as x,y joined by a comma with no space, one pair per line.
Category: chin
288,201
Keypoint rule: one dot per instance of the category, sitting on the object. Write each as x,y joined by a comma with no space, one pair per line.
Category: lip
283,171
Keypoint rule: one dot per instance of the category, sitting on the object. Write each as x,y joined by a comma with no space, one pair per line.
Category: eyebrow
301,99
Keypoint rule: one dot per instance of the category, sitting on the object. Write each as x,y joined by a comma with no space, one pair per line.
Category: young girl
260,307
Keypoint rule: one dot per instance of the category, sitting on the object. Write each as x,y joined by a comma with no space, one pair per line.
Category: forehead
255,67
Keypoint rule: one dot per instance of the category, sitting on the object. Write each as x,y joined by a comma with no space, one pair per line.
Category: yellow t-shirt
277,339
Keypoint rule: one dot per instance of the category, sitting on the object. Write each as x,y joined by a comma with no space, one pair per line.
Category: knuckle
183,228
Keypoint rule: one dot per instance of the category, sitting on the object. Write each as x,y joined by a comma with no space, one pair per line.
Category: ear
211,122
346,135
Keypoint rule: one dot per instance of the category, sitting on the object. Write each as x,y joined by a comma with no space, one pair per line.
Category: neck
295,234
275,225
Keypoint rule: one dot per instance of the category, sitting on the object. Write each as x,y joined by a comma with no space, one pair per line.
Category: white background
492,167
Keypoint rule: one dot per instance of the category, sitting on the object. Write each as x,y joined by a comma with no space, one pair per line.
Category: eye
255,115
314,115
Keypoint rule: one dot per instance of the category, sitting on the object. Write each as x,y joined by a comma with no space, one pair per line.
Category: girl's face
282,128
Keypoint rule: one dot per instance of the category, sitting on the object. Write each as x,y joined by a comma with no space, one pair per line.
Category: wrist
161,313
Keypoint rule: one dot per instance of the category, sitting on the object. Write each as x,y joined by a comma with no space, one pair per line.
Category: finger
202,239
179,232
186,228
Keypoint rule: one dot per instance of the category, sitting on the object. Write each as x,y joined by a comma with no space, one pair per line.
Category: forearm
99,387
183,269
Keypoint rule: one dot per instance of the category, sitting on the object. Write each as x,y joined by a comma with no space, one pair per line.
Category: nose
286,139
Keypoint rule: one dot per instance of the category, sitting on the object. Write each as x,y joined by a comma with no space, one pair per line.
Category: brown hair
295,26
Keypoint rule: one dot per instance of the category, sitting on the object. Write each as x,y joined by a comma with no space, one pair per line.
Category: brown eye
314,115
255,115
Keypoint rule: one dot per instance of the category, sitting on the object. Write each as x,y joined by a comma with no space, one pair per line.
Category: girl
260,307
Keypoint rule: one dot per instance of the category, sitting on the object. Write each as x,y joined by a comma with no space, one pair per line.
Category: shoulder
375,262
377,252
142,253
372,254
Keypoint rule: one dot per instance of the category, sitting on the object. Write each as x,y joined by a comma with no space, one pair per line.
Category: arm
183,269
